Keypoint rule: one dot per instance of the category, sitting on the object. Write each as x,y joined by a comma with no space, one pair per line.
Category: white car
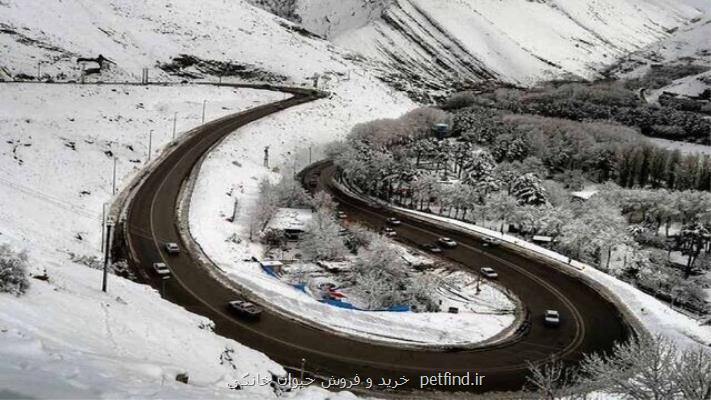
172,248
394,221
447,242
551,318
161,269
489,273
389,232
341,215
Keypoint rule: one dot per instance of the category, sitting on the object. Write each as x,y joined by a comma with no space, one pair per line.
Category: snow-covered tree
552,380
648,368
692,374
692,239
421,290
323,201
501,207
477,165
381,274
423,190
419,122
322,240
13,271
598,226
528,189
359,237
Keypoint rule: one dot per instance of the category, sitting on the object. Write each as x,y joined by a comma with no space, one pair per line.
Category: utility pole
107,254
310,154
266,156
204,102
39,71
113,181
303,367
294,162
103,224
150,144
175,123
234,210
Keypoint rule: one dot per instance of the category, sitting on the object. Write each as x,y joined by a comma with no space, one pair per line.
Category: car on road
447,242
245,309
432,248
341,215
161,269
551,318
490,242
389,232
489,273
393,221
172,248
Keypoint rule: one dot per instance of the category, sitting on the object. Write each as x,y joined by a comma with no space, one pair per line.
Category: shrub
459,100
13,271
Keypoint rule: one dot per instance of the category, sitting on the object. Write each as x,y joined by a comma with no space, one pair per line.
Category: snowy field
683,147
57,164
56,176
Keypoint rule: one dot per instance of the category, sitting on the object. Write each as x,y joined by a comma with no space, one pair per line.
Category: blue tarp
269,271
343,304
334,302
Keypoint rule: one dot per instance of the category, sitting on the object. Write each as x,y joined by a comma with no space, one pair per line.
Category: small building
583,195
441,131
542,239
291,221
273,268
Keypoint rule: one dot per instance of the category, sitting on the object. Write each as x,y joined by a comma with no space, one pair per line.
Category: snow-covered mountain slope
137,35
691,44
519,41
65,338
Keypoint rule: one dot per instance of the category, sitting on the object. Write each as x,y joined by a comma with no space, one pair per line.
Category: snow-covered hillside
688,45
518,41
137,35
56,166
65,338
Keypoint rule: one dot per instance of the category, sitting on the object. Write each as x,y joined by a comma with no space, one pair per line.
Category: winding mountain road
590,323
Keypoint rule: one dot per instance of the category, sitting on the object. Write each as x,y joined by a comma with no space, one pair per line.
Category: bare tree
552,380
322,240
692,374
323,201
641,369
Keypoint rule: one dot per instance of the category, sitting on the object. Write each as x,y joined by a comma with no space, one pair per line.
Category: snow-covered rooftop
290,219
584,194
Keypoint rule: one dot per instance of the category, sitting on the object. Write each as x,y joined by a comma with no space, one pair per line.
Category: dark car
432,248
393,221
245,309
172,248
447,242
490,242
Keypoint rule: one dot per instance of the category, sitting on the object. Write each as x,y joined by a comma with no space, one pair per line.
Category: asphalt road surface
589,322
